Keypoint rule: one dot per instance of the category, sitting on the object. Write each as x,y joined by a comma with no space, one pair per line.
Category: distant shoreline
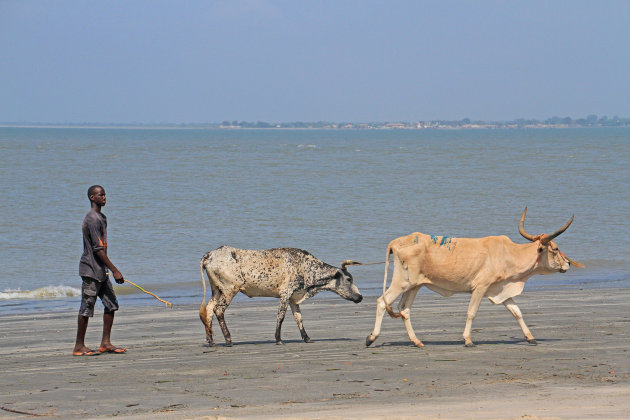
343,128
590,121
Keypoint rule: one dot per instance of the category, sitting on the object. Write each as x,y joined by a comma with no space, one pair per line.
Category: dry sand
580,368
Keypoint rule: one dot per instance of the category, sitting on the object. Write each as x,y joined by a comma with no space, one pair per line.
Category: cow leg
513,308
382,303
219,310
297,314
203,317
206,313
473,307
405,310
282,311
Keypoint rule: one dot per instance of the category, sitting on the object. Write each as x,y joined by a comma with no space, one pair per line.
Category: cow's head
342,283
550,258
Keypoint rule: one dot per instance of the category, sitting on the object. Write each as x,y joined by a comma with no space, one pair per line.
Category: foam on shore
48,292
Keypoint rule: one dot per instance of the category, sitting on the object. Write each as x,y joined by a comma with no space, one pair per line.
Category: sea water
175,194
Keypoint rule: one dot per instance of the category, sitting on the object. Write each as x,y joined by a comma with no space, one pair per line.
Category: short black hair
92,189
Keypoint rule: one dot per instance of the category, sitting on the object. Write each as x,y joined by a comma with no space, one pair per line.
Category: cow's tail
390,311
389,251
203,309
203,281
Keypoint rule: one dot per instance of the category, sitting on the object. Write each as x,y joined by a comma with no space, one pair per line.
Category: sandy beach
579,369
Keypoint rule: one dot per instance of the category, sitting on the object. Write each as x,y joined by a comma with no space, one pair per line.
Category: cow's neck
526,260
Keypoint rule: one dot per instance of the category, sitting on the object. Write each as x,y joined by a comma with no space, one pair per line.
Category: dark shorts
90,290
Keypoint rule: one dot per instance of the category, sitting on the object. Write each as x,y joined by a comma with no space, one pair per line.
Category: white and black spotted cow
291,274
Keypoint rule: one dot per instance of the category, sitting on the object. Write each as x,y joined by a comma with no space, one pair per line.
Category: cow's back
255,272
452,264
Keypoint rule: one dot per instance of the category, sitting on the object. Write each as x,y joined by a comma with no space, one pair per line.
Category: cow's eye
540,249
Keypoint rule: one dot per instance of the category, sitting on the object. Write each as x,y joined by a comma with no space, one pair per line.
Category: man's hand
118,277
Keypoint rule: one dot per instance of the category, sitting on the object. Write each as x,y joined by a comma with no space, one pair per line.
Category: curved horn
521,227
575,263
349,262
548,238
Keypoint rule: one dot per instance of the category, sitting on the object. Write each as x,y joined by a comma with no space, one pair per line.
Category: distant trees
591,120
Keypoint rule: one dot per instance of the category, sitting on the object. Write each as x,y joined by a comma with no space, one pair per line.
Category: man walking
92,269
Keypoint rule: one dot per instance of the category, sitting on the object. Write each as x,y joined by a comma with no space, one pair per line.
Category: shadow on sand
511,340
243,343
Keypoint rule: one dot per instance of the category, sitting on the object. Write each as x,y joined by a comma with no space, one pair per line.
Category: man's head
96,194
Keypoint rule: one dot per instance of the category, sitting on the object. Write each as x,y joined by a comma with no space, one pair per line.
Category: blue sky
208,61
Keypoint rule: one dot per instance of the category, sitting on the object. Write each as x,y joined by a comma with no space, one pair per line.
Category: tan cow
494,267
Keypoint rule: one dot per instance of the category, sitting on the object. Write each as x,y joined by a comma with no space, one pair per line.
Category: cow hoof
228,344
469,344
307,340
210,344
369,341
418,344
279,342
533,342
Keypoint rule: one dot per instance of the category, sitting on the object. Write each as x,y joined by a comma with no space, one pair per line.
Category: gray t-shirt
94,239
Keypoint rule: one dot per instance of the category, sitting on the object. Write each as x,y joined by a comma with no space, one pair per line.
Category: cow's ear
324,280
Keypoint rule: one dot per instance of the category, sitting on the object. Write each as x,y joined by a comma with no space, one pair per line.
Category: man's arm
117,274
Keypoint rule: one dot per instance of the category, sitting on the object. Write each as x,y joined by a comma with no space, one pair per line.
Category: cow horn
521,228
349,262
548,238
575,263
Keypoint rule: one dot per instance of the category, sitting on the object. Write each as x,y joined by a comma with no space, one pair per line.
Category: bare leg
108,321
282,311
513,308
297,314
79,346
473,307
381,306
405,310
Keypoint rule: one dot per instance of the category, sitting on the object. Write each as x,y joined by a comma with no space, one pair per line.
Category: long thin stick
169,304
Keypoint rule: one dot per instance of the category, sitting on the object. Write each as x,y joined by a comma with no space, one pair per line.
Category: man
92,266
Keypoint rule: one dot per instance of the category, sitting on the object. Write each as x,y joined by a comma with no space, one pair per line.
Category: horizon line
590,117
592,120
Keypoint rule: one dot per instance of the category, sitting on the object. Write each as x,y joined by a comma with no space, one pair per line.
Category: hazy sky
208,61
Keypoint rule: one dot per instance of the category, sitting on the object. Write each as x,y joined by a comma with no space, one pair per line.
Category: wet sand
579,369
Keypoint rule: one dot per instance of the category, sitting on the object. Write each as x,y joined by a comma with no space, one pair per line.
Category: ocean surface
175,194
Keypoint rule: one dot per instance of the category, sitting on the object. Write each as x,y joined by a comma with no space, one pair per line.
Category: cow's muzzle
357,299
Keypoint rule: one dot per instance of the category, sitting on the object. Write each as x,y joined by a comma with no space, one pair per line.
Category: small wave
41,293
307,146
